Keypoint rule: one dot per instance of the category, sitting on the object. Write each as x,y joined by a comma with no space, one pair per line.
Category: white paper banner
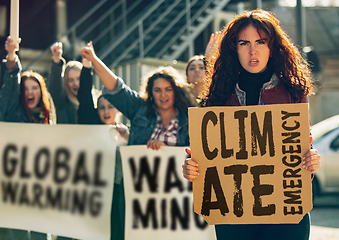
57,179
159,200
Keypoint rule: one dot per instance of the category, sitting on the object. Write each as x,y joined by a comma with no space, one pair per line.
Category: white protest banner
159,200
57,179
250,163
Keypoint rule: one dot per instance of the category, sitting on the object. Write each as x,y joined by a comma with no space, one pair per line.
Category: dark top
87,114
251,83
65,110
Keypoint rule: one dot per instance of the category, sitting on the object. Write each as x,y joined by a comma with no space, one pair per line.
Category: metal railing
73,34
133,28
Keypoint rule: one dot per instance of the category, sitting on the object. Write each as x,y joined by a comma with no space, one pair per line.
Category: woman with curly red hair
284,60
255,63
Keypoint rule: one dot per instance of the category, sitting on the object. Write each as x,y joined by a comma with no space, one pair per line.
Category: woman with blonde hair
63,84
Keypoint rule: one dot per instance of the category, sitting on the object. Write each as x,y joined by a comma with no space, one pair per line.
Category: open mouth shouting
75,90
32,93
32,102
107,117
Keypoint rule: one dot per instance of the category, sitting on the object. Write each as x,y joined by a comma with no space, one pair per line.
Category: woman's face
32,93
163,94
253,50
196,72
106,111
73,81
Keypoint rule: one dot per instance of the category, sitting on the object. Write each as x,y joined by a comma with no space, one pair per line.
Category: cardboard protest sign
159,200
250,163
57,179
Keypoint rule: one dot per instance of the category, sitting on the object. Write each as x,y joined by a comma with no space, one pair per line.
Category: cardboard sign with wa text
250,163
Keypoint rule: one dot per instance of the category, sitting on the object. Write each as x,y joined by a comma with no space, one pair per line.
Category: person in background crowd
29,102
196,73
63,85
256,64
10,70
196,67
105,113
35,102
158,116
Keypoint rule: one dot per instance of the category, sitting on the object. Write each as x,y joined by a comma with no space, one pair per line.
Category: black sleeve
87,114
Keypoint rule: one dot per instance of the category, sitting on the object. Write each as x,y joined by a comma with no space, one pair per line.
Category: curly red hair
224,66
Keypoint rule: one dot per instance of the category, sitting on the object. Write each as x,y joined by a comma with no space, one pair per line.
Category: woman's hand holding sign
155,144
311,160
190,167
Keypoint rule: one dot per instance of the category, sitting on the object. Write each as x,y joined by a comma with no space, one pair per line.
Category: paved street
325,218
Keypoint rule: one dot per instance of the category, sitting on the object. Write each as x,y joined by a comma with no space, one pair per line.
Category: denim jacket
134,108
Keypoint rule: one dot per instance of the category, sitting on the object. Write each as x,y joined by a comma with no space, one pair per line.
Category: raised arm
106,76
56,50
212,42
55,83
87,114
10,89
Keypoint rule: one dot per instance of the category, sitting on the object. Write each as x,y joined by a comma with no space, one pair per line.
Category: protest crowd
250,62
